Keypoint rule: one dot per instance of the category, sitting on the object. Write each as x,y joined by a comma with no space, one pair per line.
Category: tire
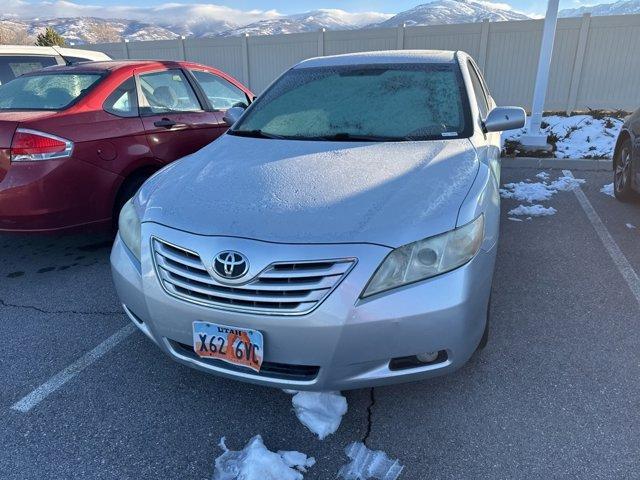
128,189
485,336
623,173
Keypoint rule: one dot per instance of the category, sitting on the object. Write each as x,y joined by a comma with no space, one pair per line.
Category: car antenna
56,48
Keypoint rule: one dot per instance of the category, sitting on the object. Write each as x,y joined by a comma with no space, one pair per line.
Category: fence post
321,42
577,66
245,60
183,51
400,39
125,49
484,44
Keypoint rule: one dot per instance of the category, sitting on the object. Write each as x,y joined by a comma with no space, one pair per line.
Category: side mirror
505,118
232,115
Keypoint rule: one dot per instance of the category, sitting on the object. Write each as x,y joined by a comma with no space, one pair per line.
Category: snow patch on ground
566,183
515,219
368,464
539,191
297,460
527,192
630,226
578,136
608,190
320,412
532,192
536,210
257,462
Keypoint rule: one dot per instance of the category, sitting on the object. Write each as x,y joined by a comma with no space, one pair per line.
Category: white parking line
625,268
60,378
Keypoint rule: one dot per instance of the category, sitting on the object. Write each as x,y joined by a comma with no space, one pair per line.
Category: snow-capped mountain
168,21
331,19
81,30
623,7
452,11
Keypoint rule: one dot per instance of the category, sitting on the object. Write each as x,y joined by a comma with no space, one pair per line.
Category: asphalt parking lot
555,394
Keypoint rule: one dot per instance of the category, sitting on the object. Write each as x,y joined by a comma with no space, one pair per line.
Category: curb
559,163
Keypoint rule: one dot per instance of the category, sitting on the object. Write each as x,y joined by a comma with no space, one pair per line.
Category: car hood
314,192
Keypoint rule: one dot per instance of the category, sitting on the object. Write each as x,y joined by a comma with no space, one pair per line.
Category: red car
77,141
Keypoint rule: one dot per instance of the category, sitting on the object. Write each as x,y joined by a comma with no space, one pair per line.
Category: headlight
427,258
129,227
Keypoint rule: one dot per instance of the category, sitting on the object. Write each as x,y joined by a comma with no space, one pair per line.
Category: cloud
162,13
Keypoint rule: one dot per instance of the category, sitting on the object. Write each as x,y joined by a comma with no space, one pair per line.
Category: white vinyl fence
596,60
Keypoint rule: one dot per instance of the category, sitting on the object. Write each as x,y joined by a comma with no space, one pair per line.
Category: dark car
77,141
626,160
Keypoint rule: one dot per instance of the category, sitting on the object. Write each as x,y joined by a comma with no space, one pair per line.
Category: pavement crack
42,310
369,416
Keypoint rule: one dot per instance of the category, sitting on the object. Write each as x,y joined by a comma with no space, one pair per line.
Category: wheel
485,336
128,189
622,173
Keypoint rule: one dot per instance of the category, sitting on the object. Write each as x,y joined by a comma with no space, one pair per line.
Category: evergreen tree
49,38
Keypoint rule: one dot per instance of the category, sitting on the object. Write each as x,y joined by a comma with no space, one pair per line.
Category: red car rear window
46,92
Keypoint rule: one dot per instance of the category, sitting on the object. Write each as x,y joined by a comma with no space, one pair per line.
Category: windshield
371,103
45,92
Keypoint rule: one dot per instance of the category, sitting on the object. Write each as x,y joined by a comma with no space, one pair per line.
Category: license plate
238,346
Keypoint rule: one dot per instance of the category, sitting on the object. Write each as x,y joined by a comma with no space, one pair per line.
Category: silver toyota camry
342,234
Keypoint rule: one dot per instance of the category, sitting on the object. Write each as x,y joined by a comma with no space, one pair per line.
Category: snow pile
527,192
539,191
533,211
532,192
297,460
565,183
577,136
366,464
608,190
257,462
320,412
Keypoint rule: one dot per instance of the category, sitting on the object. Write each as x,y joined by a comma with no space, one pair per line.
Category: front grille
286,288
279,371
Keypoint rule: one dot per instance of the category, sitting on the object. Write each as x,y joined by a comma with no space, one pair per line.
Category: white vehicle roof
387,56
71,52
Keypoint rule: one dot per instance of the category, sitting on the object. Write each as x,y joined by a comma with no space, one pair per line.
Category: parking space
554,395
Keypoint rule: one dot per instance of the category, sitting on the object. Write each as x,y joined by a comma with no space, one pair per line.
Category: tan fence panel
157,50
225,54
269,56
349,41
445,37
611,72
117,50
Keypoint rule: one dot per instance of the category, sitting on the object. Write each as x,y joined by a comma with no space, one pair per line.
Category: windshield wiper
254,134
349,137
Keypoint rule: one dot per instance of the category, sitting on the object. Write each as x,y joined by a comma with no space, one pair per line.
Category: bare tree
103,33
14,34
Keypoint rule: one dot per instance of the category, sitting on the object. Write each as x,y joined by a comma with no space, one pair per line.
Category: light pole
534,138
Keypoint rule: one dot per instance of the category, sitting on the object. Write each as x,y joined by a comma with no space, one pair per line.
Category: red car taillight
31,145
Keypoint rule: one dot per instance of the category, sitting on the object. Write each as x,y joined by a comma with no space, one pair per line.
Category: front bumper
345,343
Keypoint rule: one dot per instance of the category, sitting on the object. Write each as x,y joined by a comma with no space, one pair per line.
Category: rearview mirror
505,118
233,115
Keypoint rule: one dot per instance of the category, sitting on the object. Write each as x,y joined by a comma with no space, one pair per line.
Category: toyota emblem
230,265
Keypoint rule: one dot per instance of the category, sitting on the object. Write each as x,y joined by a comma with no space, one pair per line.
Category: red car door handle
166,123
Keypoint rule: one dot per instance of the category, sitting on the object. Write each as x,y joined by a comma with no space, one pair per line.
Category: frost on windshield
389,101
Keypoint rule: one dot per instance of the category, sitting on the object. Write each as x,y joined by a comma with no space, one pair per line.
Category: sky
239,10
537,7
